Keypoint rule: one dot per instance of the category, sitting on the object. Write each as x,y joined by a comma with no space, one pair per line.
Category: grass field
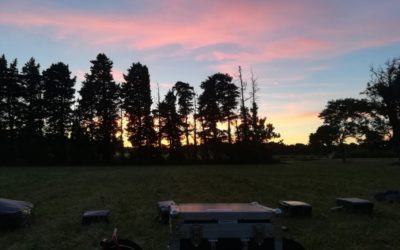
61,194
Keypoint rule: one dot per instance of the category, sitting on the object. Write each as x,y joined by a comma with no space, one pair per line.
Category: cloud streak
262,30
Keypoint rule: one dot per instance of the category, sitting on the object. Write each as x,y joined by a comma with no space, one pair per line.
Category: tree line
372,122
45,120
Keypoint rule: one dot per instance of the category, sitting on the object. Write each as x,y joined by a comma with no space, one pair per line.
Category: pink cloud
141,31
263,30
298,117
80,74
118,75
292,48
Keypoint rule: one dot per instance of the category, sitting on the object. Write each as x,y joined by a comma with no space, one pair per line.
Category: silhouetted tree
156,113
170,120
137,104
185,94
228,94
39,121
33,114
252,129
11,109
265,131
243,131
195,111
259,130
81,146
14,106
98,104
77,131
255,131
210,105
120,102
375,135
254,108
3,96
59,97
384,91
374,129
87,108
208,110
324,138
347,117
243,128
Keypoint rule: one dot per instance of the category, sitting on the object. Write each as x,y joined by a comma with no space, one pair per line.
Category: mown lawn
60,194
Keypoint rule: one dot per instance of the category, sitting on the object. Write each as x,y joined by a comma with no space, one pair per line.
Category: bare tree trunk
243,107
254,110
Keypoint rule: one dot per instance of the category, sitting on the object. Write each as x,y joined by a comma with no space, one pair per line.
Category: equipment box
390,196
355,205
295,208
233,226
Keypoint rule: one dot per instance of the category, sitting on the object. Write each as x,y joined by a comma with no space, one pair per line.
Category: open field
61,194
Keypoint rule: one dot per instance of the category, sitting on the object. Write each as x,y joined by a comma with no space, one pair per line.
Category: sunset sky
303,53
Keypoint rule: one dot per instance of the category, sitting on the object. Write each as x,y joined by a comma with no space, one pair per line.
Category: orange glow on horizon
293,129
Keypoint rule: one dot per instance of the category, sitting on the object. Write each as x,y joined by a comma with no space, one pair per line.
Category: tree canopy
98,104
137,101
43,119
384,91
58,97
216,103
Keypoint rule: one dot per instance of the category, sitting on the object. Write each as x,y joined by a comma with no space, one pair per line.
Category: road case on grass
218,226
88,217
390,196
295,208
14,213
355,205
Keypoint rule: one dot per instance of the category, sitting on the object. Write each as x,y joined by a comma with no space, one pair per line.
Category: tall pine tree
170,120
3,84
137,104
11,108
228,95
33,114
216,104
185,94
11,105
98,105
59,97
